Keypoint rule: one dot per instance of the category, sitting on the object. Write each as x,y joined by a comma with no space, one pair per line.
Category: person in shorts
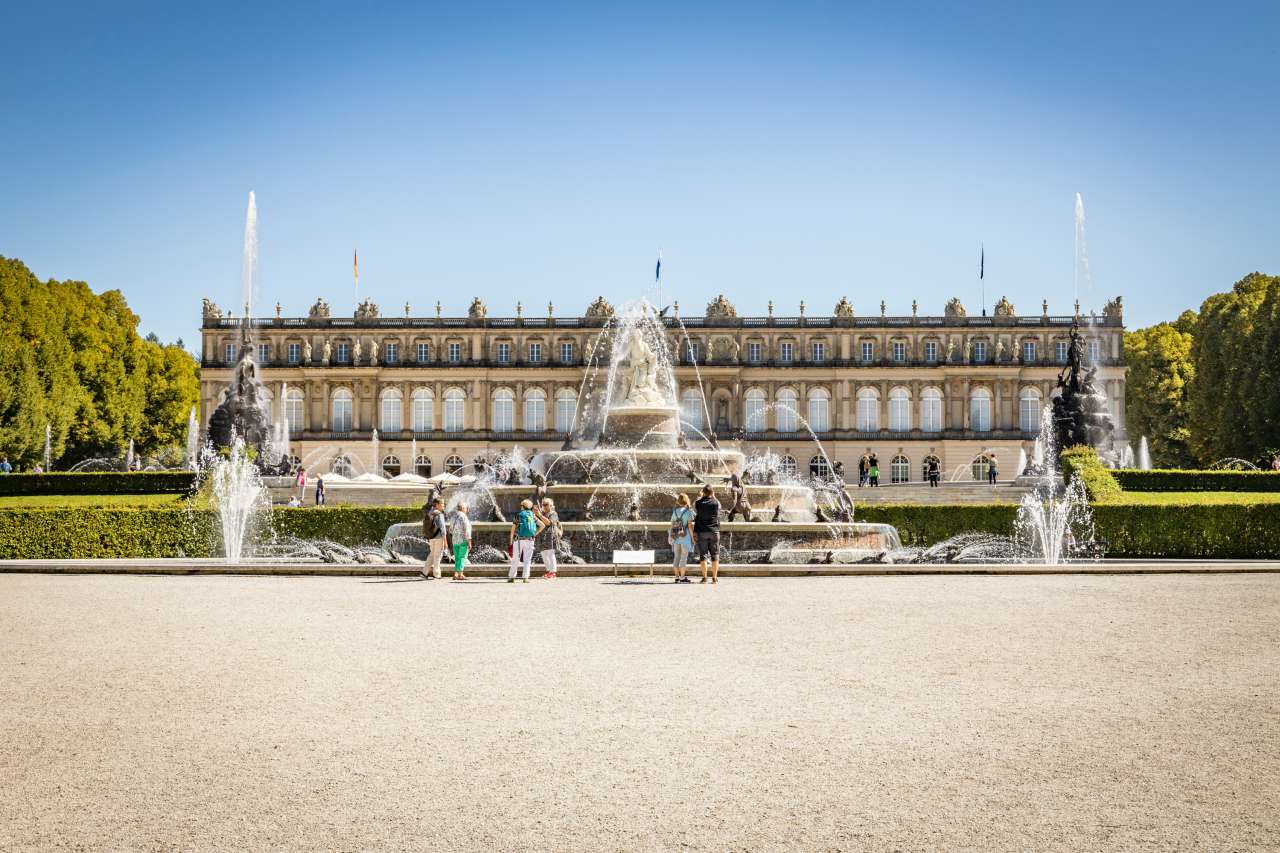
706,532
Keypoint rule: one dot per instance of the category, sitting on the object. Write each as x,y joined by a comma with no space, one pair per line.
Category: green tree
1160,367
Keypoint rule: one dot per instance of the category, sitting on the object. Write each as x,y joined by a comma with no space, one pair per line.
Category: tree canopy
1159,362
74,360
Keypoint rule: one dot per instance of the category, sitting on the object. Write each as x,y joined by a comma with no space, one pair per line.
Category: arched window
455,407
390,419
341,421
566,410
899,410
535,410
691,408
422,466
931,410
818,468
981,466
789,465
819,410
753,411
295,462
293,408
341,465
924,466
424,415
391,465
899,469
453,464
868,410
504,410
785,410
980,410
1029,410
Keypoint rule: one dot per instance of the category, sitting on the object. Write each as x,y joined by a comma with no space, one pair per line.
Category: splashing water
193,441
239,498
1081,272
1144,455
1054,523
249,262
48,448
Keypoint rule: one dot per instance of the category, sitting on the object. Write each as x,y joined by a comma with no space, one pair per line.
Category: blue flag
657,271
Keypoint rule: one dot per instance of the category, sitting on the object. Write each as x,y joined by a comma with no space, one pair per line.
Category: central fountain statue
1080,413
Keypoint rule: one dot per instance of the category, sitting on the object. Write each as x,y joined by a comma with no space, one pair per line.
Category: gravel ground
917,713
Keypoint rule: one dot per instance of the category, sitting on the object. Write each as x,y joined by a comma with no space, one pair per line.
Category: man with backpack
706,532
524,530
435,528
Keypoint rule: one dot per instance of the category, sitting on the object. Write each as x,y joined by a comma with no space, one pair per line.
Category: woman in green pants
460,530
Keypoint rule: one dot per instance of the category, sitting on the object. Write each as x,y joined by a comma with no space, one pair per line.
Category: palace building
442,392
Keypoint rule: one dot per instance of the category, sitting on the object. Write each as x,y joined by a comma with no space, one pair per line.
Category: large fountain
616,479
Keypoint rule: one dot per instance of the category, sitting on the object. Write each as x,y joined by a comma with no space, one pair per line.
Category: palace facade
442,392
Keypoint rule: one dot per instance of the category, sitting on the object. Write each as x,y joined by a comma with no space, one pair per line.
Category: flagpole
982,275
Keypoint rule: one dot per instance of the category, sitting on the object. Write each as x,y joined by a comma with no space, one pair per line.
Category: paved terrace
890,713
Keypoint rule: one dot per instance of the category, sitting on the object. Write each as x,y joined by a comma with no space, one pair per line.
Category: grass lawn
38,501
1203,498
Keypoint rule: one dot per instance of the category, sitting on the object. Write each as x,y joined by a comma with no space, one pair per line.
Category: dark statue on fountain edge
1080,413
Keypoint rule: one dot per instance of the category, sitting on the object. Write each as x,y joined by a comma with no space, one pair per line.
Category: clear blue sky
544,152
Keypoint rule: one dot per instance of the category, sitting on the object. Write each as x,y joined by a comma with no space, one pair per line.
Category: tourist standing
681,537
524,530
548,538
436,531
933,472
301,482
320,491
5,467
460,530
864,466
993,472
706,532
873,473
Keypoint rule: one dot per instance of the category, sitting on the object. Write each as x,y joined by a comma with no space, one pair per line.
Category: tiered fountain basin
647,501
740,541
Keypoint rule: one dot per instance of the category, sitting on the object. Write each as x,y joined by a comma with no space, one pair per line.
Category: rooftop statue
210,310
955,308
319,311
1114,308
366,310
1004,308
477,311
721,308
600,308
844,308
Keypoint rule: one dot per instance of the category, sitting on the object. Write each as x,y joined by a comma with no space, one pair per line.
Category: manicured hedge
98,483
1084,463
1130,530
1132,480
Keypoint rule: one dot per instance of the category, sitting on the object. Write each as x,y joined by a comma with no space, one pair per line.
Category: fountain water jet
239,498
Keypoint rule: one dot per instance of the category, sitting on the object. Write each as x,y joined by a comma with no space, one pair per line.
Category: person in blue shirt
5,467
680,536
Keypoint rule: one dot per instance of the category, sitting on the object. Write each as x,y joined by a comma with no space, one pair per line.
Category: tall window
931,351
868,351
392,354
342,353
455,407
391,465
819,410
691,351
819,468
535,353
979,352
1029,410
341,465
455,353
931,410
785,410
566,408
868,410
341,410
1094,352
899,410
980,467
293,405
228,353
504,404
789,465
566,352
504,353
391,405
423,411
753,411
1060,351
453,464
1028,352
817,351
264,353
980,410
422,466
753,352
786,351
535,411
294,352
899,469
899,351
423,354
691,408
